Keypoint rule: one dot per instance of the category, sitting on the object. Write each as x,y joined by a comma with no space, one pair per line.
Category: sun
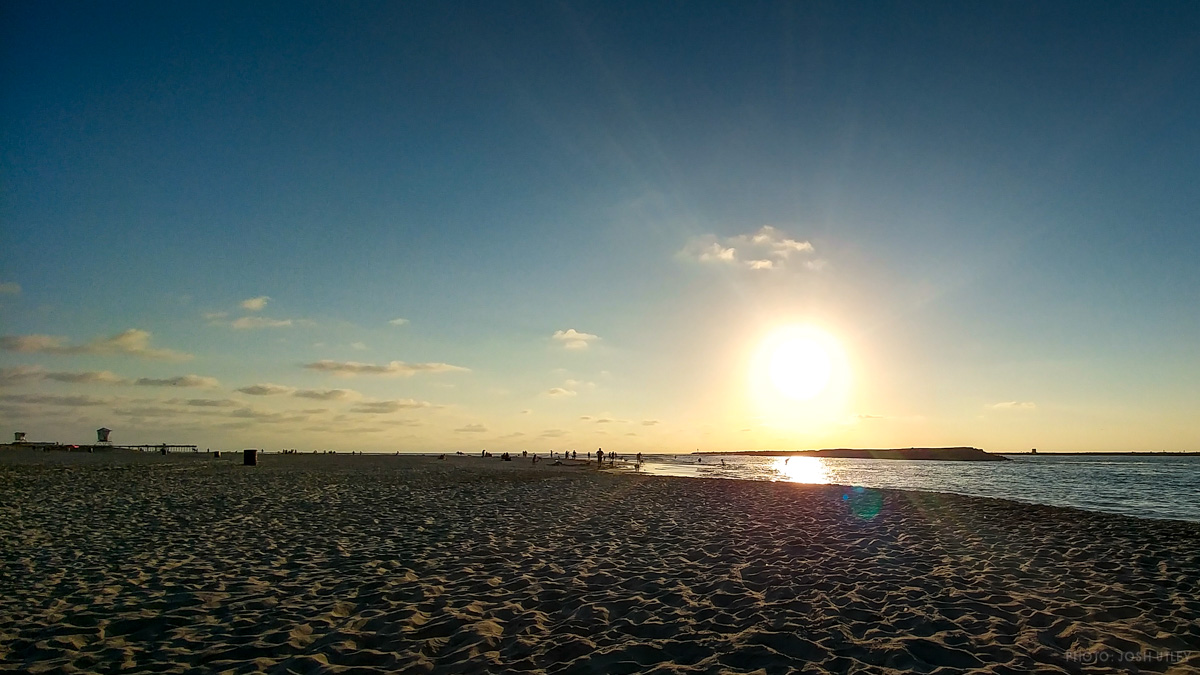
800,366
799,378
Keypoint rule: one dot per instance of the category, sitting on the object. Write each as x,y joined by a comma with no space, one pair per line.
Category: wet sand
374,564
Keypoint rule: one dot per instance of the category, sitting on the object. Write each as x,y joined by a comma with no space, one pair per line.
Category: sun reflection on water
802,470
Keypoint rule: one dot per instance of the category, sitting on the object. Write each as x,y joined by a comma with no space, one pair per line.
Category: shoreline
172,563
29,457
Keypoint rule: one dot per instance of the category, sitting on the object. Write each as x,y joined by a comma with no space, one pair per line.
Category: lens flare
864,503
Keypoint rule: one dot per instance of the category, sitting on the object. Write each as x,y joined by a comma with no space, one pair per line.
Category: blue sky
990,209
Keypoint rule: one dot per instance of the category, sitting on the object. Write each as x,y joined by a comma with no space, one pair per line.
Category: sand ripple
383,564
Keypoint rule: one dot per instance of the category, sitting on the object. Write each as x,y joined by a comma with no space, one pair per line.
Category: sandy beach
374,564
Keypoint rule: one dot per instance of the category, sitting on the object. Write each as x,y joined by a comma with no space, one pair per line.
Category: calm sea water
1148,486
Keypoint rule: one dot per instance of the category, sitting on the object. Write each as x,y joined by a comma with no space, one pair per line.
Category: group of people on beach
612,457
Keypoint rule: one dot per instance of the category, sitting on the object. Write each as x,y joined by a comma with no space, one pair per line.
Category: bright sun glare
800,378
800,367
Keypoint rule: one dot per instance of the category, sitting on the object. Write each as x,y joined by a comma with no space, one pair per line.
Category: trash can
250,457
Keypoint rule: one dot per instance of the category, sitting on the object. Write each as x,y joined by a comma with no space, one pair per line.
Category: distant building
19,437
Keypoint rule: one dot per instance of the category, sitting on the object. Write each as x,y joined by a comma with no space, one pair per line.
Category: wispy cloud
10,288
178,381
267,417
559,392
255,304
132,342
266,389
87,377
398,321
43,399
19,374
472,429
553,433
207,402
573,339
384,407
255,322
326,394
360,346
649,423
1013,405
146,411
399,368
766,249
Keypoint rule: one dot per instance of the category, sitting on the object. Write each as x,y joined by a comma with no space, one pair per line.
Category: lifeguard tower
102,436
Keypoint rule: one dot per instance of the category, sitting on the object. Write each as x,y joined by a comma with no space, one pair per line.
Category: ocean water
1146,486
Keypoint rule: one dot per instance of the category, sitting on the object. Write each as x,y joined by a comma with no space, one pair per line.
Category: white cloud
573,339
766,249
559,392
255,304
132,342
472,429
179,381
10,288
399,368
1013,405
706,248
266,389
253,322
398,321
360,346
